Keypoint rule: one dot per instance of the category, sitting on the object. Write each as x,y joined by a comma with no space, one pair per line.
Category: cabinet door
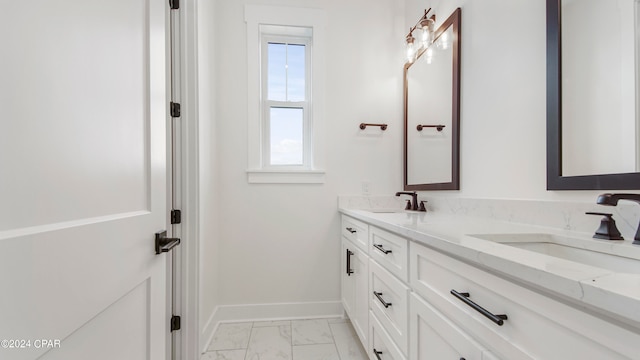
355,288
348,279
360,319
433,336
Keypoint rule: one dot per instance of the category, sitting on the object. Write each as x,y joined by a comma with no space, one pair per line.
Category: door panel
128,315
75,100
83,178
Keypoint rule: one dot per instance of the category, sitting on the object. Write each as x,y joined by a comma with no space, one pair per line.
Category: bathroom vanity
431,286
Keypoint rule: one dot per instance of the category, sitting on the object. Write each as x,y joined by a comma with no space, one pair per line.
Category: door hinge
175,109
174,4
175,323
176,217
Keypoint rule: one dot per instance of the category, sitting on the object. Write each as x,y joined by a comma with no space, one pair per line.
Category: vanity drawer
537,326
381,342
433,336
356,231
390,251
388,300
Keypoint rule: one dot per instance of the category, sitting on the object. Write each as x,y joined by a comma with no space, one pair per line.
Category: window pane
286,72
277,72
286,136
295,74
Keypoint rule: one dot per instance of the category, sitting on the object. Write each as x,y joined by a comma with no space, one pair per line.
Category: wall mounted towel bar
364,126
438,127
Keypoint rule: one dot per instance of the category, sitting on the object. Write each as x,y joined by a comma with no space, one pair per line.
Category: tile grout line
291,338
334,342
246,350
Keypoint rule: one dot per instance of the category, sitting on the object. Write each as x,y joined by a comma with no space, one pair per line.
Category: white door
83,185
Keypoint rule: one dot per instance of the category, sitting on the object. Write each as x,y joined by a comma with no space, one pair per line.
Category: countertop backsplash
564,215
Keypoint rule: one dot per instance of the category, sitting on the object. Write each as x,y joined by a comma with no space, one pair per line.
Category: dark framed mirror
432,112
592,96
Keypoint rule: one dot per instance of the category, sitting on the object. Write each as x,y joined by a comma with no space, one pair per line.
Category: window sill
261,176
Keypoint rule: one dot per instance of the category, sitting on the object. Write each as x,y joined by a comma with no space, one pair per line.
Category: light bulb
411,50
426,36
429,55
427,32
444,40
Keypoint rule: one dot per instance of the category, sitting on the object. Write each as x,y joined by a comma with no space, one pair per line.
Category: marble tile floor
316,339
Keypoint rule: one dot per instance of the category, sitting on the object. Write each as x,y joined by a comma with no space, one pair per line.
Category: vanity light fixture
411,51
425,26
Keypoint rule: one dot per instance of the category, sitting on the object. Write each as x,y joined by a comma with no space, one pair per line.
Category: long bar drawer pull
349,271
350,229
464,297
379,247
379,296
378,353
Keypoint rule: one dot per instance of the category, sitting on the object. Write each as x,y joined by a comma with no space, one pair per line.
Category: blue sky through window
286,72
286,136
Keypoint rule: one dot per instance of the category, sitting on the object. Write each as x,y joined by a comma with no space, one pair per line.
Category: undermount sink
598,253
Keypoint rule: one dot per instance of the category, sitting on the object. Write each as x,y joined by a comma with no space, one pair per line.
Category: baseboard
268,312
206,335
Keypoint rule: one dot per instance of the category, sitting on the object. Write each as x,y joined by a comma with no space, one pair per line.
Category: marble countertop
614,294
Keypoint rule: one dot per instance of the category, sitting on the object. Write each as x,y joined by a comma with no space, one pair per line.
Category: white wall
280,243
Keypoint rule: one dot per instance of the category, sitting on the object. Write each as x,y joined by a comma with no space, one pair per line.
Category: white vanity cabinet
355,277
536,326
408,300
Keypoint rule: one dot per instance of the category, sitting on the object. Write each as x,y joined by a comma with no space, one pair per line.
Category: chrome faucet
612,200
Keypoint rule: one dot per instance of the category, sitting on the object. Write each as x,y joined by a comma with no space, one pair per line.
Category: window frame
257,18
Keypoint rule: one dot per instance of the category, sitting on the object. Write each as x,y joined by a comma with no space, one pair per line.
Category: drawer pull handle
350,229
379,247
377,353
349,271
464,297
379,296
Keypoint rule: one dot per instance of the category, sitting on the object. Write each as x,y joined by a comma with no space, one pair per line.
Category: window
285,94
285,101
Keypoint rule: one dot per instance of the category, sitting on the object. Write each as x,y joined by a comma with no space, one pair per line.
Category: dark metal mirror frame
555,180
454,21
